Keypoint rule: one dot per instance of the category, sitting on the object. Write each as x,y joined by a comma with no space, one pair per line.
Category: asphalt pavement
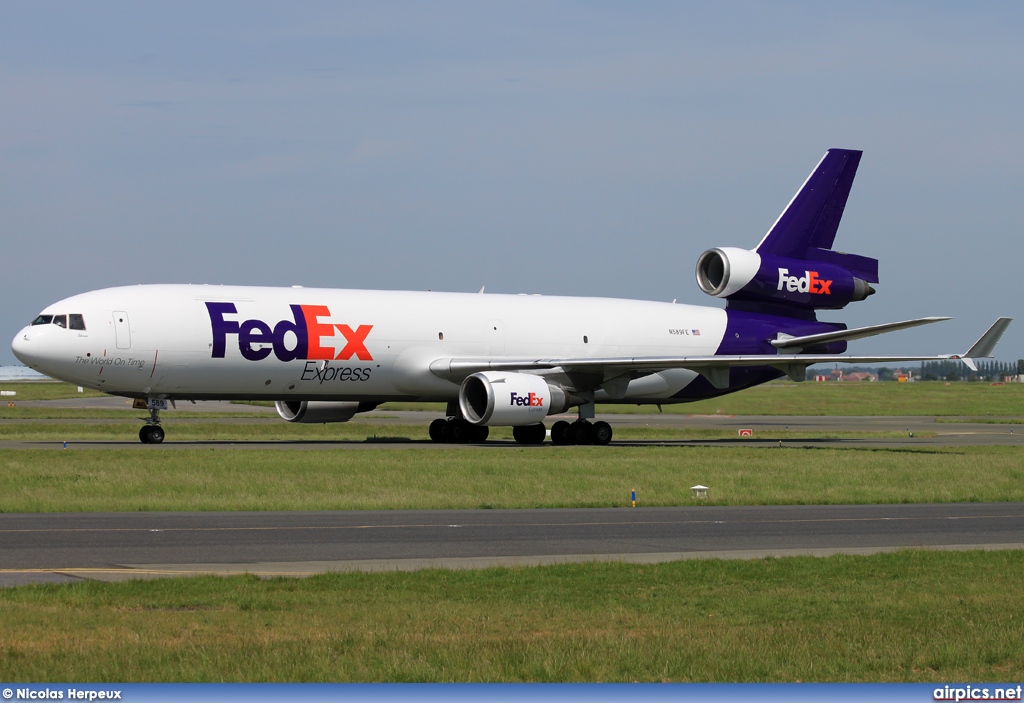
117,546
42,548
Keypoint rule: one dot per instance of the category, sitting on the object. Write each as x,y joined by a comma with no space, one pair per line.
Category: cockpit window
43,320
60,320
76,322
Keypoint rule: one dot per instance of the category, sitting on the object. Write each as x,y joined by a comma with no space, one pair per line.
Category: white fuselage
164,340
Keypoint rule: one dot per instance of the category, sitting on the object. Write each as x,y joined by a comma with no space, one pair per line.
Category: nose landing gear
152,432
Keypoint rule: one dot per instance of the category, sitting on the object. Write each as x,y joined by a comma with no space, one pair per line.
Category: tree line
957,371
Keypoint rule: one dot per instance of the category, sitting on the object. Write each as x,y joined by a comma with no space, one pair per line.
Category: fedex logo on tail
532,400
808,283
310,338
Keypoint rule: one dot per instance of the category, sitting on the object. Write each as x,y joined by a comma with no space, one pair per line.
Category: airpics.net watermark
977,693
60,694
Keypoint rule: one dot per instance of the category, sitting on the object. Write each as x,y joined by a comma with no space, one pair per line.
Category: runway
70,547
795,431
118,546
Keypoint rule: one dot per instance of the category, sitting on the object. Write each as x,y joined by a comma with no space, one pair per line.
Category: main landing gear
455,430
459,431
581,432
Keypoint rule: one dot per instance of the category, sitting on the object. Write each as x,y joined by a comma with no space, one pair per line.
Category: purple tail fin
807,228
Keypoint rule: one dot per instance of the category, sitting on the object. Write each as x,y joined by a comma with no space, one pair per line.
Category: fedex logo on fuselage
808,283
532,400
307,339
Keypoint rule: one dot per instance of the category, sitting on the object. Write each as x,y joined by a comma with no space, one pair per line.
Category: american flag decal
696,333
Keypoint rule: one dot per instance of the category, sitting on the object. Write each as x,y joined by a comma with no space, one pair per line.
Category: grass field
20,412
498,477
270,430
834,399
45,390
912,616
778,398
923,398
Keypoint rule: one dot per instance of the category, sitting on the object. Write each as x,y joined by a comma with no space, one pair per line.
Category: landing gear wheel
460,431
560,433
151,434
438,430
580,432
601,433
529,434
457,431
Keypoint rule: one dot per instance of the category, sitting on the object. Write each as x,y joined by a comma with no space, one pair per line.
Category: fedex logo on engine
532,400
808,283
302,337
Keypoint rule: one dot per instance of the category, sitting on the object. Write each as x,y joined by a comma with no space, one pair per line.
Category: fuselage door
122,331
495,336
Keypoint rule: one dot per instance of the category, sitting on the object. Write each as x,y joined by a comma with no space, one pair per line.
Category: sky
571,148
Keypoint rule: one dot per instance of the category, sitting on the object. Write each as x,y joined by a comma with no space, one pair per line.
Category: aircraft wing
715,368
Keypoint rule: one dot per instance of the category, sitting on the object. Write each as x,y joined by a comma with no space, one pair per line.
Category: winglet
984,347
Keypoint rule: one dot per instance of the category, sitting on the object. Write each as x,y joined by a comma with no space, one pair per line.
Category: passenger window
60,320
76,322
43,320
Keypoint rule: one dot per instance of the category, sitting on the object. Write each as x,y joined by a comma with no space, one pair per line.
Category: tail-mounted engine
741,274
496,398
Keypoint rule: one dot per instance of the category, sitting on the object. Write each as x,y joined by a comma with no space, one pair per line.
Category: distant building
838,375
860,376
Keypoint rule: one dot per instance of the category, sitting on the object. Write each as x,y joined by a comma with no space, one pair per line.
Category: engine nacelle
320,411
497,398
741,274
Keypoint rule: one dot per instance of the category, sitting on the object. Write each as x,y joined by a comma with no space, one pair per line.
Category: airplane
325,355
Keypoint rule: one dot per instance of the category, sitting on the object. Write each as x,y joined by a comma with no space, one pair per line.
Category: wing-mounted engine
497,398
320,411
741,274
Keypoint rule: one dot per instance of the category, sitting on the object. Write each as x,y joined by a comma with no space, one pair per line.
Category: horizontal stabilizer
794,343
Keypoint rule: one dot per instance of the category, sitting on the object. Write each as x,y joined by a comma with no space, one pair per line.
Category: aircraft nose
21,345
